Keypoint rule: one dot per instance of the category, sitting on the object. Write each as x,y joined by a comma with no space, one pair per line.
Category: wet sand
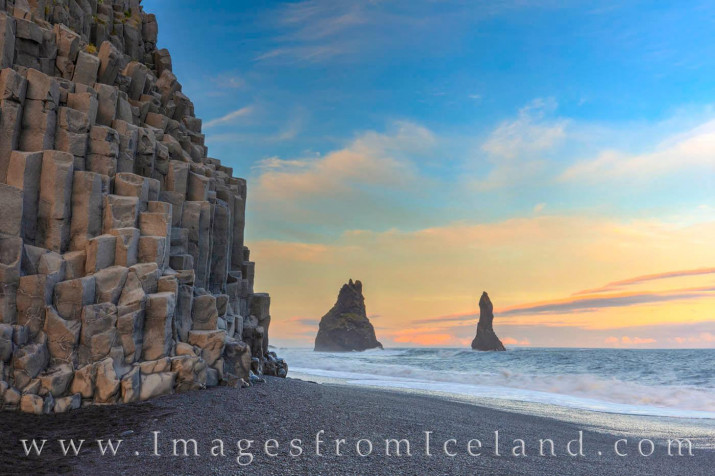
286,410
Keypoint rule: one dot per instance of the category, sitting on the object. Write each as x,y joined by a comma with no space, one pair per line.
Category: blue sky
352,118
305,78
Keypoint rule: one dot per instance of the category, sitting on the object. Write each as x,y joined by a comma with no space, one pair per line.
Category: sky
559,155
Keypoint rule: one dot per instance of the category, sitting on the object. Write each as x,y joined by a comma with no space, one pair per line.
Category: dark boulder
486,338
346,326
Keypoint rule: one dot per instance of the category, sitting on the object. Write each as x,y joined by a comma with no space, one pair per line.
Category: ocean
659,383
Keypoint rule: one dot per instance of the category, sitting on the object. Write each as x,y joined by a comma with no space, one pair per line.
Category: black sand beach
286,410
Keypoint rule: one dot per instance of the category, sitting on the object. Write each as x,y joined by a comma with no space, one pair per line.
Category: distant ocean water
668,383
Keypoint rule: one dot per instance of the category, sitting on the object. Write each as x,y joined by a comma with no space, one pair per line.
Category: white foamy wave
443,370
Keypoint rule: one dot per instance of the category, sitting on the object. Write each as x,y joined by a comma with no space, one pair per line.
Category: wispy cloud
293,125
530,132
311,54
276,163
345,184
314,30
649,277
321,19
707,338
694,150
596,299
518,342
517,148
592,303
230,117
319,30
581,305
337,174
628,341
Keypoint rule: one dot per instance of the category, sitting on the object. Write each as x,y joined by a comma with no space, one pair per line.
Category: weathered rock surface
123,270
346,326
486,338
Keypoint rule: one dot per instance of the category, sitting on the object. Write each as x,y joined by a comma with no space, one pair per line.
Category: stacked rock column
123,271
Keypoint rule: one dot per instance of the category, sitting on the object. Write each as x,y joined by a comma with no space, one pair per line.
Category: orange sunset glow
602,283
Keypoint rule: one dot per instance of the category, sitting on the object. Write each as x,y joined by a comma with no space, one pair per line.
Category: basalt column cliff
123,272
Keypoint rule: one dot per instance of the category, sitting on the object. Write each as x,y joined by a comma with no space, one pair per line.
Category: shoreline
292,409
603,419
597,381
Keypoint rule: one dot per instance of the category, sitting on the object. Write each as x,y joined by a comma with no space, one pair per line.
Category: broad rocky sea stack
346,326
486,338
123,272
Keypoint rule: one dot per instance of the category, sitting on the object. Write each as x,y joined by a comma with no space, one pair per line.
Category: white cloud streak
692,150
230,117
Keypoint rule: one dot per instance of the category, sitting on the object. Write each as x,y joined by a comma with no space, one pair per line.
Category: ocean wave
524,377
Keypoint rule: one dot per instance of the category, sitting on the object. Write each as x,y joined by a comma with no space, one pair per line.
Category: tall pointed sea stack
346,326
486,338
123,271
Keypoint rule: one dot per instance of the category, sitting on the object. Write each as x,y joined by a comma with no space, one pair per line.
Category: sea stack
346,327
486,338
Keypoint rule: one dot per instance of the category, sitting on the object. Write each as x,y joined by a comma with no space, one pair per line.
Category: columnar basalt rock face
123,272
346,326
486,338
